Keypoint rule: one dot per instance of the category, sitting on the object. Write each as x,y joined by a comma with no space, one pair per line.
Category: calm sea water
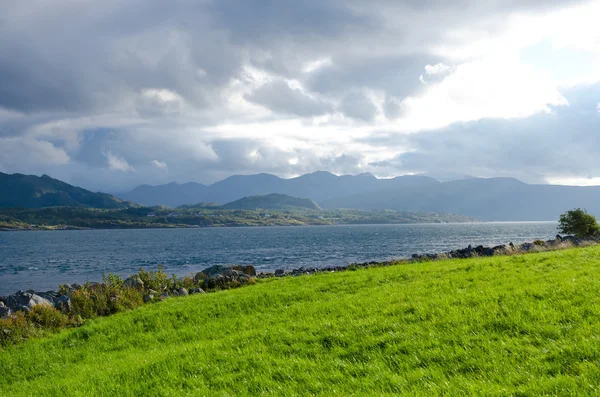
44,260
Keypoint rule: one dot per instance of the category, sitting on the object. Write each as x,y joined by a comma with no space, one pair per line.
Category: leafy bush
82,305
157,280
189,283
15,329
47,317
579,223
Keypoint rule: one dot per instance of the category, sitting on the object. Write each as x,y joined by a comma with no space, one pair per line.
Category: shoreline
77,228
468,252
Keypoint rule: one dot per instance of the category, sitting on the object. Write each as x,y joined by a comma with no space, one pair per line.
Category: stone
196,291
38,300
2,304
51,296
183,292
148,298
280,272
63,303
76,286
134,282
21,300
213,271
164,296
5,312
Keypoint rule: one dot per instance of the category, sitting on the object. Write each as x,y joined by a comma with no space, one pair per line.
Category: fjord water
43,260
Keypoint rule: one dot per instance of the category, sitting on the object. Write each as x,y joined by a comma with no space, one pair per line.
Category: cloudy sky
111,94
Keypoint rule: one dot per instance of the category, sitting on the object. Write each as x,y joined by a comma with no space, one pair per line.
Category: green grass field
525,325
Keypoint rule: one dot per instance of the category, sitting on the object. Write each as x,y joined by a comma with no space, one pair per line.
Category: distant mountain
273,201
487,199
199,206
447,176
172,194
30,191
318,186
492,199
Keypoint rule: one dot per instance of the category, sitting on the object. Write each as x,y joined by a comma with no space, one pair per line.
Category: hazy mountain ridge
318,186
30,191
491,199
273,201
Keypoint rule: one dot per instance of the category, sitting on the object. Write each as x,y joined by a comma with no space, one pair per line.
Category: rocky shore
222,277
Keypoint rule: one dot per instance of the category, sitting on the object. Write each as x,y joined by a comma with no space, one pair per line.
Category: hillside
273,201
516,325
30,191
172,194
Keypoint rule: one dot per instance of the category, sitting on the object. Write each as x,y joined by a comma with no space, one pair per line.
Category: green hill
522,325
30,191
272,201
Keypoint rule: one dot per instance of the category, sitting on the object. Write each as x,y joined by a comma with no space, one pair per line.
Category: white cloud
439,68
27,152
160,165
117,163
492,88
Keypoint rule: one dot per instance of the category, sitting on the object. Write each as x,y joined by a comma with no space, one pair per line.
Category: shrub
16,328
47,317
129,298
82,305
113,280
189,283
157,280
539,242
579,223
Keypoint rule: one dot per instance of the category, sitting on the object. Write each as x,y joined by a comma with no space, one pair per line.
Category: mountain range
319,186
487,199
30,191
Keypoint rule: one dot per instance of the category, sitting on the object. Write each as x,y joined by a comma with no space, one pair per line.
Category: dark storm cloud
281,98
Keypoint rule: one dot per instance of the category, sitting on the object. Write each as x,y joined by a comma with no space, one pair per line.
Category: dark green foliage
579,223
77,217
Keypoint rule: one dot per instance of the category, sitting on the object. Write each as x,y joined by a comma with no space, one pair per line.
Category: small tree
579,223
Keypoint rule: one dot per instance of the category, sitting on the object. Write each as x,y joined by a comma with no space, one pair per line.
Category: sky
112,94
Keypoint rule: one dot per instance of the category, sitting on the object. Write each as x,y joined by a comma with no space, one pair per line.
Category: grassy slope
520,325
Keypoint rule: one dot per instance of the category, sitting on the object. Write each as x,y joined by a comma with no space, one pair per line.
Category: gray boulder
5,312
25,301
63,303
51,296
228,270
164,296
134,282
196,291
183,292
280,272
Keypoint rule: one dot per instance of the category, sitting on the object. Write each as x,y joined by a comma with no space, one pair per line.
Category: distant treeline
160,217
